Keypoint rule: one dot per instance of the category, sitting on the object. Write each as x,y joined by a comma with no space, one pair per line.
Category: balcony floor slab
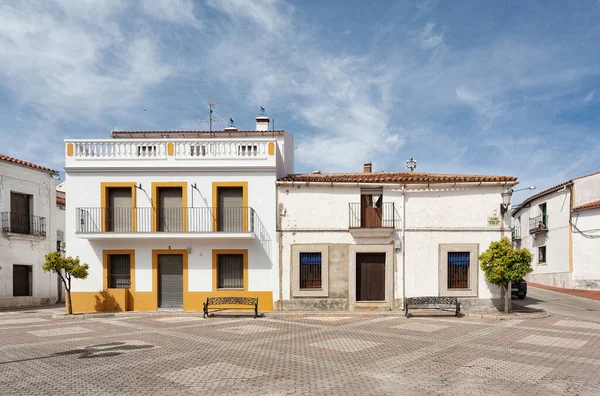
167,235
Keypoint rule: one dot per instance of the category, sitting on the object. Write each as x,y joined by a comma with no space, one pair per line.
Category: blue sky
464,87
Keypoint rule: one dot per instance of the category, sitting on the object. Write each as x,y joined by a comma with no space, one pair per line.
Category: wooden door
19,213
370,277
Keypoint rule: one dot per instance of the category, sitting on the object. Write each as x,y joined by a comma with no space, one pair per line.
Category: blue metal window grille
459,264
310,270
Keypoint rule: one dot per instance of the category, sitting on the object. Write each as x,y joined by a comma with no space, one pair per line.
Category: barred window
458,270
310,270
119,276
230,271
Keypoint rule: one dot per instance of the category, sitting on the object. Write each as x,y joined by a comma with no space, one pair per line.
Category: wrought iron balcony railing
18,223
140,220
516,233
538,224
365,216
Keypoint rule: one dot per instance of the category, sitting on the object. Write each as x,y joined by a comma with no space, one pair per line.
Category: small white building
561,228
367,240
27,210
166,219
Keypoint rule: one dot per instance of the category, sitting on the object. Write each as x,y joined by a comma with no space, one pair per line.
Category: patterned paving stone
558,342
212,376
578,324
345,344
180,319
22,321
424,327
327,318
249,329
510,371
60,331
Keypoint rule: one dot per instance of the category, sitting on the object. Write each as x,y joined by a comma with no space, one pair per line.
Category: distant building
561,227
27,210
352,241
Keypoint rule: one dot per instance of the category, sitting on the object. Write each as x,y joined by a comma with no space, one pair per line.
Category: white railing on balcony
159,149
120,149
218,149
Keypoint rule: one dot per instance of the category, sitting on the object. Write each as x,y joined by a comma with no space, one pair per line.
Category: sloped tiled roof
550,190
25,163
589,205
394,177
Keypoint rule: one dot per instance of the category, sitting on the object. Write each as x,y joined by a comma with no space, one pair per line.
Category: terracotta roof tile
394,177
25,163
589,205
61,201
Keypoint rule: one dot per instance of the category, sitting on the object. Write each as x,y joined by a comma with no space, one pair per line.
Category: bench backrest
231,300
431,300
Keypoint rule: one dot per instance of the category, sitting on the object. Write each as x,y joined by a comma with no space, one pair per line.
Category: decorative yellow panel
70,149
271,149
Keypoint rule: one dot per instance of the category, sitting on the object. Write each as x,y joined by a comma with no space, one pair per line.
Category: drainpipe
403,246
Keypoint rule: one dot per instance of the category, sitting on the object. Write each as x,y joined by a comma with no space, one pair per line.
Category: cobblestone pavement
183,354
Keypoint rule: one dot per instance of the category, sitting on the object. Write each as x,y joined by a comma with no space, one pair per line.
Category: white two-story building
27,210
165,219
561,228
352,241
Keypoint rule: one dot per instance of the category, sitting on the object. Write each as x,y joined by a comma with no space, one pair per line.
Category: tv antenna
211,118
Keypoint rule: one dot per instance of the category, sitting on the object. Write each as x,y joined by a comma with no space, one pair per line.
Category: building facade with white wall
367,240
27,210
166,219
561,228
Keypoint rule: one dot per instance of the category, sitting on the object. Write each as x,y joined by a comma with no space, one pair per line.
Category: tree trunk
507,300
69,302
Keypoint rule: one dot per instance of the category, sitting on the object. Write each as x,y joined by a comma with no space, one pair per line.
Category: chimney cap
317,172
367,167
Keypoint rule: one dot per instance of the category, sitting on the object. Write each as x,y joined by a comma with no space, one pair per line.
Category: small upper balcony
538,224
20,224
173,222
378,220
171,153
516,233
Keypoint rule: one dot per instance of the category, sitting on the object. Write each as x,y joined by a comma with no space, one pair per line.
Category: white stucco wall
586,249
84,191
28,250
587,189
555,271
318,214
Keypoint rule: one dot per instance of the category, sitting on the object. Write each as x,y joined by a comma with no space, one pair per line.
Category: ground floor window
459,264
22,280
310,270
542,254
458,269
230,271
119,271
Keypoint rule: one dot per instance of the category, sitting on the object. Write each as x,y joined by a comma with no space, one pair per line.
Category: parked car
519,289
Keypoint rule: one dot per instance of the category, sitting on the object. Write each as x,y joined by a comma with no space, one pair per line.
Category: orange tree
67,268
503,264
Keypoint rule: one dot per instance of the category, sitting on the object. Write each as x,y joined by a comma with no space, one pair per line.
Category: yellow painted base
119,300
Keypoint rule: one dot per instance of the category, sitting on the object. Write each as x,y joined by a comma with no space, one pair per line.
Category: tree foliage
67,268
502,264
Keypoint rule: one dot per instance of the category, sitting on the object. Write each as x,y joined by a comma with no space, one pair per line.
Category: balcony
207,222
139,153
23,224
538,224
368,221
516,233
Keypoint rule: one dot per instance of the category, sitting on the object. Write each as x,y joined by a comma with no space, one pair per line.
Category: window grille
459,264
230,271
542,254
119,276
310,270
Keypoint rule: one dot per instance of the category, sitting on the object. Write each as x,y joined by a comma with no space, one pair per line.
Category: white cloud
347,32
589,97
429,39
174,11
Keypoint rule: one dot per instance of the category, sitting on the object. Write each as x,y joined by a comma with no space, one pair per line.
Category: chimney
230,129
262,123
367,167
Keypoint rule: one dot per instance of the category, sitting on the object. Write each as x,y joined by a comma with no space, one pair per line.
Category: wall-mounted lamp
506,197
